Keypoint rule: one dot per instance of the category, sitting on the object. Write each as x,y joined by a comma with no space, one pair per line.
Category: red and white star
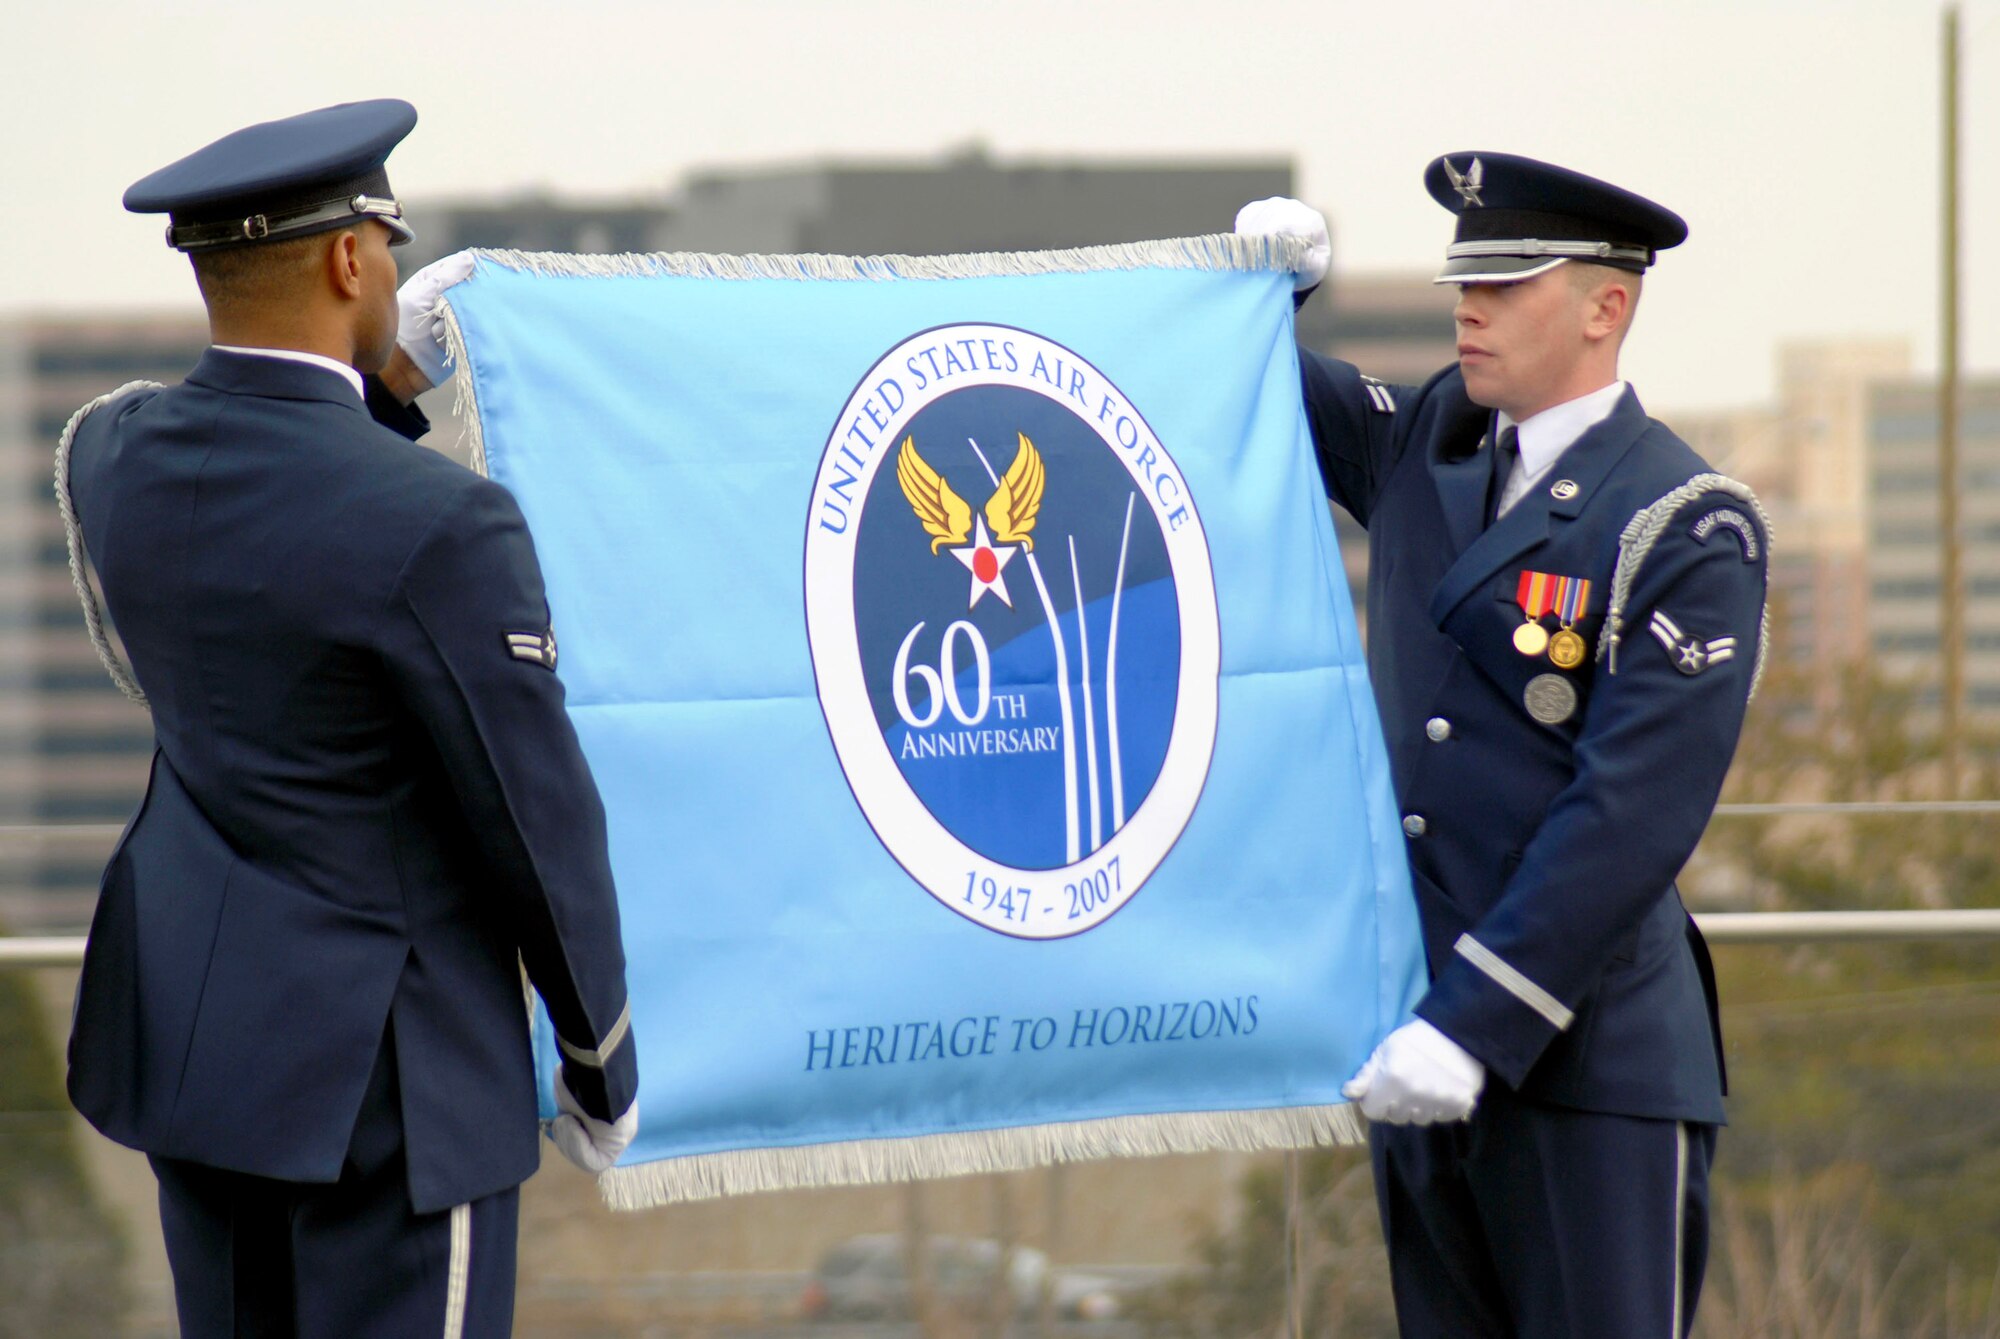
988,564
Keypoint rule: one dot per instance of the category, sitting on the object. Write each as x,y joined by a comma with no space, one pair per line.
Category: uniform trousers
1532,1221
255,1258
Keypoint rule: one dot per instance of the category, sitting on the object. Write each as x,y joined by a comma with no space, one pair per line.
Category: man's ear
343,264
1606,309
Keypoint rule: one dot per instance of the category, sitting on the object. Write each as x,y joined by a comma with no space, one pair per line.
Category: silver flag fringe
1215,251
929,1157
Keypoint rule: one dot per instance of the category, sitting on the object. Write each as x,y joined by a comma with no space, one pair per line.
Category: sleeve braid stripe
93,617
1643,531
597,1057
1514,982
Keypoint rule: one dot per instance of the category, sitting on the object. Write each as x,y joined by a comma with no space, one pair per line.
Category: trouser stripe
1680,1222
457,1272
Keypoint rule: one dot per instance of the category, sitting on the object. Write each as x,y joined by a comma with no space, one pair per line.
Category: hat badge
1469,183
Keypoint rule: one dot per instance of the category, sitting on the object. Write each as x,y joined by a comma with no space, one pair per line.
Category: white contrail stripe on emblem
1089,704
1111,677
1070,837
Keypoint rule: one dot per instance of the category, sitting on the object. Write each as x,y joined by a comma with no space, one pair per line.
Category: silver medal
1550,698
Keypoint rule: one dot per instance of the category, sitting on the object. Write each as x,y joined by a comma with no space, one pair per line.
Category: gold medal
1535,593
1566,649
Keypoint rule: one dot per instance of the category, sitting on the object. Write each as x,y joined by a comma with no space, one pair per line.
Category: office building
1905,558
1807,457
73,751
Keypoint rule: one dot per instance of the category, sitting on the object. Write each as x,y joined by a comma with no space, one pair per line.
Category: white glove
419,327
588,1142
1417,1076
1290,218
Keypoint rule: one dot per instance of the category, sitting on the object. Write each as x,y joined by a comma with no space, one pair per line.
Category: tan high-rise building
1825,389
1808,460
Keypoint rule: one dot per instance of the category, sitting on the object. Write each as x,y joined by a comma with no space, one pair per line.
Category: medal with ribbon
1572,602
1536,596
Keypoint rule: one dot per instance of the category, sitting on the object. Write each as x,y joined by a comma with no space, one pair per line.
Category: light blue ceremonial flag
964,656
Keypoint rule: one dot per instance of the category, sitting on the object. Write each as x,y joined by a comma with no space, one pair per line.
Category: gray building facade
1904,560
74,752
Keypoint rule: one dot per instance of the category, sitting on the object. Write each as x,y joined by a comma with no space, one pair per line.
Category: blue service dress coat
367,811
1544,852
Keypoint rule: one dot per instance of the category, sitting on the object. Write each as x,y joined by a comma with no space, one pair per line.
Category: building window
1907,588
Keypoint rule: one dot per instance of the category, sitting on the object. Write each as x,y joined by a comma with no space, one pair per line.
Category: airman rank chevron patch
1379,396
539,647
1690,654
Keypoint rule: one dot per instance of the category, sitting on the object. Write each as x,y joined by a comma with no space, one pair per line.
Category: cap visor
1495,269
399,231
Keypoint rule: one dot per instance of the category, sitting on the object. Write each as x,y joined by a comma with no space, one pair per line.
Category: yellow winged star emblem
995,537
943,513
1012,509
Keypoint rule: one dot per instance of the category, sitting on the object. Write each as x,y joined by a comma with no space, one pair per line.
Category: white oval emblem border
928,851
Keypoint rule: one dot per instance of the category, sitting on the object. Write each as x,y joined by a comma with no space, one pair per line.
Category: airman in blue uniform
368,811
1566,614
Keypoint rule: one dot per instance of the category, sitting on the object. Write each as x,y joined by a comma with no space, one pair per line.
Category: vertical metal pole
1952,578
1295,1318
1052,1246
917,1261
1001,1302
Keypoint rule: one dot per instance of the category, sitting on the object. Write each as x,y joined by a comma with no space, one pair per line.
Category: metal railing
1719,927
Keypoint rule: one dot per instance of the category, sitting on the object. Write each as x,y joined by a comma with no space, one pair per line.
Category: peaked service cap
309,173
1518,217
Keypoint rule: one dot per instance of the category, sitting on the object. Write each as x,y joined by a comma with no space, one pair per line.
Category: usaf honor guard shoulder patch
1728,518
1013,626
538,647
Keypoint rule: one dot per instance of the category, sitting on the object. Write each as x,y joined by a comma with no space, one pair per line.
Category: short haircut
1584,277
236,276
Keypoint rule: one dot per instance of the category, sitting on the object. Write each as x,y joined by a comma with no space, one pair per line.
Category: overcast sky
1798,137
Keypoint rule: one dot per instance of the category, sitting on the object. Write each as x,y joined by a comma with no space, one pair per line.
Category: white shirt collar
352,377
1545,436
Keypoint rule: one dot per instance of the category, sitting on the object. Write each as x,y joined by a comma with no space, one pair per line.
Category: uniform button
1437,729
1414,825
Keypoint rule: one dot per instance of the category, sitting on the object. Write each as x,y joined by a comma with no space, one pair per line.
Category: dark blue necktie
1506,454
